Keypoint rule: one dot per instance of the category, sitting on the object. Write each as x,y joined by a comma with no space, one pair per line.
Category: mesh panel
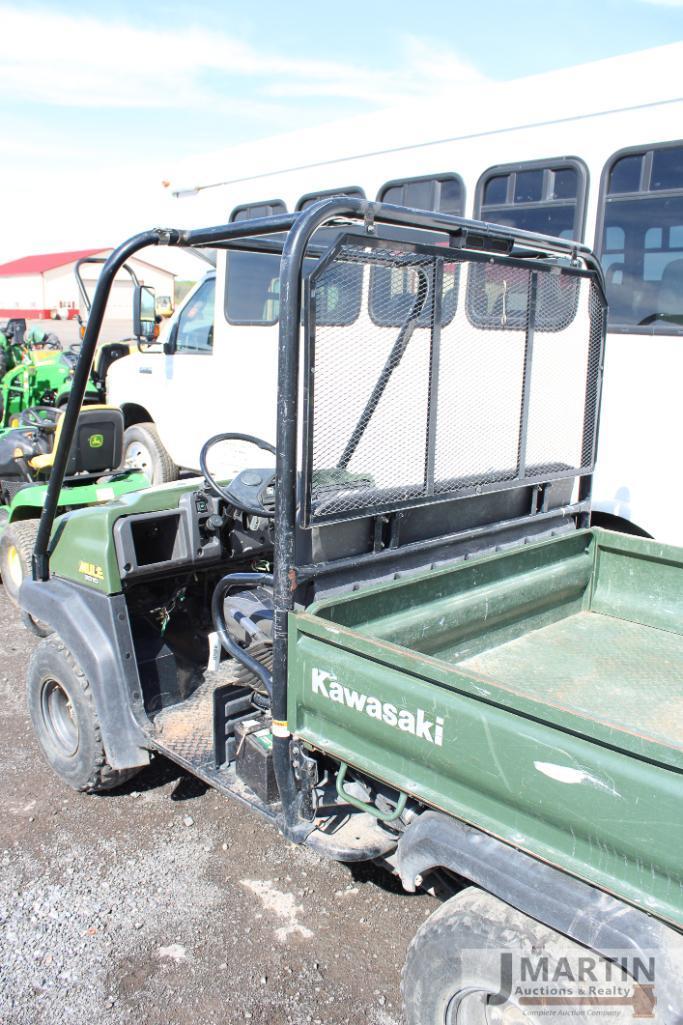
412,399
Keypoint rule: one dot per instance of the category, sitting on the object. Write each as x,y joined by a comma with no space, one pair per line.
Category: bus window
250,293
253,279
547,196
444,192
314,197
393,291
640,238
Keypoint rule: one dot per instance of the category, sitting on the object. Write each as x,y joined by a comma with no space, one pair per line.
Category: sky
98,102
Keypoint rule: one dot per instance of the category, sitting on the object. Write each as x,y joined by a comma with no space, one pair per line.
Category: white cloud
67,60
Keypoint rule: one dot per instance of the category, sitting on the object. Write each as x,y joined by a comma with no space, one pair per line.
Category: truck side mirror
144,312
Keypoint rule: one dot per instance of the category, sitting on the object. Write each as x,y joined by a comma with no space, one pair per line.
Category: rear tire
65,721
144,450
16,553
453,966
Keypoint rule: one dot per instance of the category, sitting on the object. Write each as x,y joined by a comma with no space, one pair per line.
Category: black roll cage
256,235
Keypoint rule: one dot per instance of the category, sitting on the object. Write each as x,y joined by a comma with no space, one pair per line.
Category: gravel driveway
166,904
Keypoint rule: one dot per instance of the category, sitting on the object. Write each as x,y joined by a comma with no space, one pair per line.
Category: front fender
96,630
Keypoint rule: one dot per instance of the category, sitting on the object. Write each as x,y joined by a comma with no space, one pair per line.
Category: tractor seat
26,442
97,446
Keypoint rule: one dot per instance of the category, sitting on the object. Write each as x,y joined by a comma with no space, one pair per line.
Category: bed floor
614,671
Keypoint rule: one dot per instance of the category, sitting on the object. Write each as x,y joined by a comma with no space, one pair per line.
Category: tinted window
642,240
315,197
441,192
253,295
667,168
565,184
499,296
338,293
556,219
496,189
252,210
625,175
393,291
252,279
548,199
195,322
528,186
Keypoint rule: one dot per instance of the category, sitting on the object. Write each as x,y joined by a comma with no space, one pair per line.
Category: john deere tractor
93,476
35,371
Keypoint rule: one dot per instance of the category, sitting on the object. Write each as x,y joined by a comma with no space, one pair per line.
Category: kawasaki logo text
327,686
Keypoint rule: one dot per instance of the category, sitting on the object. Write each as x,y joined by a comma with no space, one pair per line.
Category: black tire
453,967
65,722
143,449
16,552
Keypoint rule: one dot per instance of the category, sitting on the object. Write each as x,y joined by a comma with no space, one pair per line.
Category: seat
670,302
97,446
20,443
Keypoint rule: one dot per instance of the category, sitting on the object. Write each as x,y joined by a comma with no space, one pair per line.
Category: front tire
454,969
16,553
144,450
62,710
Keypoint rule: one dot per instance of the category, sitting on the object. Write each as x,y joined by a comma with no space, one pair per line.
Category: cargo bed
581,639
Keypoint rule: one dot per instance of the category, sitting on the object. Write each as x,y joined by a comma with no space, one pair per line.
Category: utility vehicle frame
428,657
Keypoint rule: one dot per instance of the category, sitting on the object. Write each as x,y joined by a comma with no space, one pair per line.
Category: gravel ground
167,904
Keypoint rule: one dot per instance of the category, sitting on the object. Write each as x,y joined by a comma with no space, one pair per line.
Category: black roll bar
41,561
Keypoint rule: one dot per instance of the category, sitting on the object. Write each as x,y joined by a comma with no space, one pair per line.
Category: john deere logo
96,440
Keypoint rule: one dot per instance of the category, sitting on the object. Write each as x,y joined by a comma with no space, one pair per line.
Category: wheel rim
472,1007
59,719
14,567
138,457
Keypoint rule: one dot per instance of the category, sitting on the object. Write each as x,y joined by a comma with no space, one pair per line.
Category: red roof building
44,286
43,262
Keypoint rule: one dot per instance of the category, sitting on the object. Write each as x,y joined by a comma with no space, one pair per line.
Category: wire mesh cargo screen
432,373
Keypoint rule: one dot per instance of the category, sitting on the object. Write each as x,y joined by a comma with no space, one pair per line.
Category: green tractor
36,371
92,477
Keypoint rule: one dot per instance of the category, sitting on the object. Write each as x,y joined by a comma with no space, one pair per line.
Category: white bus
593,153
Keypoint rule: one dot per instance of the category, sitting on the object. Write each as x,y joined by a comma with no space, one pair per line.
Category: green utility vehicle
404,644
93,476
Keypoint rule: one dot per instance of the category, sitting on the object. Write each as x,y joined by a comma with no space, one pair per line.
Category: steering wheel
248,489
50,341
31,417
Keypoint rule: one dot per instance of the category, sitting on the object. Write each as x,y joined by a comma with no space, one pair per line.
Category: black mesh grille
420,393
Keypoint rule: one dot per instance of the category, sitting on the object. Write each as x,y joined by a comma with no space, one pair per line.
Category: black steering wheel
247,490
31,417
50,341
